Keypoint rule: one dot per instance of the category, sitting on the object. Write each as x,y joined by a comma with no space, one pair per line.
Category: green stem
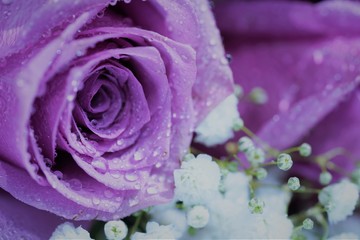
273,152
308,190
290,150
135,226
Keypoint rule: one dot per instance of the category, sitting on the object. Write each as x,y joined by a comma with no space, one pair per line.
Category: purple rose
100,99
306,57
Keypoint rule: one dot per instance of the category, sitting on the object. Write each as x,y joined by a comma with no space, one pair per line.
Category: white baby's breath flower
236,186
197,179
156,231
325,178
284,161
198,216
245,144
115,230
230,217
255,156
218,125
305,150
68,231
339,200
166,214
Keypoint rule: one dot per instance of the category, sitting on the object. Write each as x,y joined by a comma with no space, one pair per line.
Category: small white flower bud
305,150
284,161
238,91
238,124
256,156
256,206
260,173
115,230
308,224
245,144
325,178
198,217
188,157
258,95
294,183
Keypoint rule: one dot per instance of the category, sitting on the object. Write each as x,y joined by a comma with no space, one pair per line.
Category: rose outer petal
19,91
17,220
20,28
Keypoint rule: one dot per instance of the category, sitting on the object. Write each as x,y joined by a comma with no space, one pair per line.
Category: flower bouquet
186,119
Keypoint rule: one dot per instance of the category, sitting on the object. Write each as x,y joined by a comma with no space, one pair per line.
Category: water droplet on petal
108,194
139,154
101,14
75,184
120,142
115,175
157,152
98,164
58,174
70,97
113,2
151,190
80,53
94,122
48,162
96,201
137,186
133,202
131,177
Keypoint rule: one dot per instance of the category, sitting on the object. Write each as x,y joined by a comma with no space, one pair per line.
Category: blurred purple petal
307,65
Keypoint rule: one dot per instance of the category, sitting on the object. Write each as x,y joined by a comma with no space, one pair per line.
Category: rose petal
17,220
304,69
213,76
19,24
17,85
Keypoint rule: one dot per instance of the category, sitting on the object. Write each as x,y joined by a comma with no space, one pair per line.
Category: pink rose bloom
99,100
306,57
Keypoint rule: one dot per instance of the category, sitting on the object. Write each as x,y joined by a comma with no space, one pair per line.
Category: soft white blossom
230,217
166,214
198,216
236,185
217,127
339,200
68,231
156,231
197,179
256,156
245,144
115,230
294,183
284,161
